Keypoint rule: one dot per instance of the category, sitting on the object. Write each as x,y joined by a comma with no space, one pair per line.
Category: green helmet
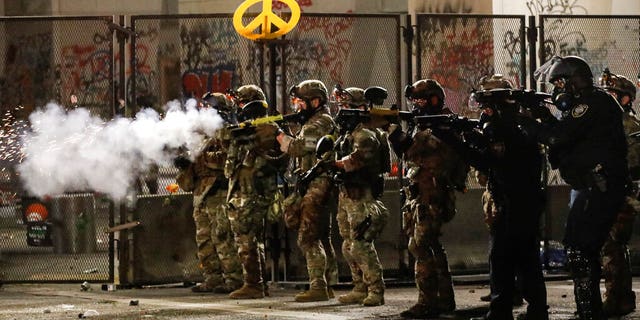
423,89
310,89
496,81
617,83
249,92
351,97
216,100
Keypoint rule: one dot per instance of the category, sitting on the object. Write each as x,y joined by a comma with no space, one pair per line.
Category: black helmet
426,89
309,89
618,83
248,93
253,110
574,70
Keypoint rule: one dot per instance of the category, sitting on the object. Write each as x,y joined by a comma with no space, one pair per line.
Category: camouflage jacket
364,150
434,166
207,168
303,146
248,159
632,124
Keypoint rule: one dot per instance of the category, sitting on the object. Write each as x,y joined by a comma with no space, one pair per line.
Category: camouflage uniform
433,169
217,252
619,296
252,186
312,212
363,153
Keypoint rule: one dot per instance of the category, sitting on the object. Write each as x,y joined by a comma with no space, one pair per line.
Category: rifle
362,227
324,147
248,127
348,119
446,122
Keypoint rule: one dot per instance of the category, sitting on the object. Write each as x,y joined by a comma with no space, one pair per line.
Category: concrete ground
68,301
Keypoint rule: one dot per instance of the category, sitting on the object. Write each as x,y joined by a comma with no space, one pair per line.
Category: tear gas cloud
74,151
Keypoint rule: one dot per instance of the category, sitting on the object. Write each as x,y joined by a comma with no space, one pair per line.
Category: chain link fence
183,56
47,60
604,42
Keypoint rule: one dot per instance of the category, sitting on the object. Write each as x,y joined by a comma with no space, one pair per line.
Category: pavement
69,301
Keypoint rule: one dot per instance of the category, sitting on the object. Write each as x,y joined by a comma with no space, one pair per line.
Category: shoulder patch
579,110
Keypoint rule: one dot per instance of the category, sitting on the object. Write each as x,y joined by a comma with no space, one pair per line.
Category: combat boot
614,307
373,299
266,289
420,311
330,293
311,295
227,287
202,287
354,297
248,292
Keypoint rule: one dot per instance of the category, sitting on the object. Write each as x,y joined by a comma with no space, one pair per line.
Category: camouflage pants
248,207
433,278
361,255
314,228
217,252
615,259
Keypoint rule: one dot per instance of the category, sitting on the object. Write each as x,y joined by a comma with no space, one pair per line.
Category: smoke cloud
75,151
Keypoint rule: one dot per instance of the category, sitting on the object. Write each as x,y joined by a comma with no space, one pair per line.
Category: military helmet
248,93
310,89
352,97
216,100
496,81
423,89
617,83
253,110
574,70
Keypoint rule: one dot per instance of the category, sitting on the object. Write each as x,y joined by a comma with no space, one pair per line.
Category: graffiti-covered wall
458,50
180,57
50,59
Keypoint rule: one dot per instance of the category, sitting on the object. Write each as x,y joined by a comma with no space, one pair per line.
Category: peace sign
265,19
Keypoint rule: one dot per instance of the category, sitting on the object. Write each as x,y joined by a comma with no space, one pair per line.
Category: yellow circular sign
265,19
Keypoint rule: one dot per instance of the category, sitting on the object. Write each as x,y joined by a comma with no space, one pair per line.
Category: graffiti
511,42
195,83
537,7
331,27
277,5
86,71
457,51
28,77
208,42
312,55
565,36
459,6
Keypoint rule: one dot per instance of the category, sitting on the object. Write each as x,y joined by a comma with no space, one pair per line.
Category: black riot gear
253,110
570,76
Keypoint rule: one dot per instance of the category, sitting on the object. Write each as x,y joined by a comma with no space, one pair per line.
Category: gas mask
562,97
